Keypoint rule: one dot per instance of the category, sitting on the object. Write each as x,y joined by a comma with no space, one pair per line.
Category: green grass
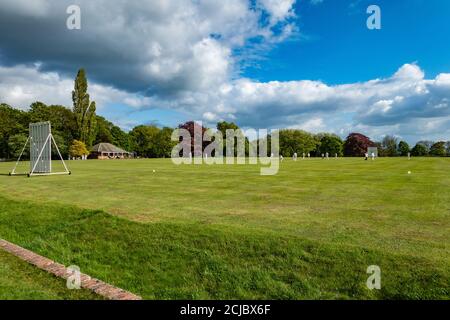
20,280
227,232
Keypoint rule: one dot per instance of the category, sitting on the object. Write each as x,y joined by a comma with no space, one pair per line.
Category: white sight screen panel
40,142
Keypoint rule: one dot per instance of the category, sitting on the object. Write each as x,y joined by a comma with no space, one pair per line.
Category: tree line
300,142
78,128
146,141
391,146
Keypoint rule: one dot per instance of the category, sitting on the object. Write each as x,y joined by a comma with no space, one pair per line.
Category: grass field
19,280
226,232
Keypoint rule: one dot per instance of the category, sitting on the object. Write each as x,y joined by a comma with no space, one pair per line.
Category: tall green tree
144,140
427,144
389,146
223,126
120,138
419,150
84,109
12,122
103,131
164,143
403,148
109,133
438,149
16,144
296,141
331,144
91,125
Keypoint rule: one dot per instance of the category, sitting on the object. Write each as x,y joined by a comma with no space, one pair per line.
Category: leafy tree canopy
438,149
16,144
331,144
419,150
296,141
389,146
403,148
356,145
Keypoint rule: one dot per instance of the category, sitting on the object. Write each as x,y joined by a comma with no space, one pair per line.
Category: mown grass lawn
226,232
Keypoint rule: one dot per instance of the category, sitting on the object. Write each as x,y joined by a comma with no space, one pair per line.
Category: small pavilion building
104,151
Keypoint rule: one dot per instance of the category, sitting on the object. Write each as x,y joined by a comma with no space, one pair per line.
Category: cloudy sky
310,64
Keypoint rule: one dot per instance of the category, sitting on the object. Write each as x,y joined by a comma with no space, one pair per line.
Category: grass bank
190,261
22,281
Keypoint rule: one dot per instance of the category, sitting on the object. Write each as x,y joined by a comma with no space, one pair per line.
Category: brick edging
99,287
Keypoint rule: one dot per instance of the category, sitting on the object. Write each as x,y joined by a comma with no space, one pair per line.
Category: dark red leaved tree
196,131
356,145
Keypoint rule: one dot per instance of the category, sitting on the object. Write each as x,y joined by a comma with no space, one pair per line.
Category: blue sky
336,47
306,64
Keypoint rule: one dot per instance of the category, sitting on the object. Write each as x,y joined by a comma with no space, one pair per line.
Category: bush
78,149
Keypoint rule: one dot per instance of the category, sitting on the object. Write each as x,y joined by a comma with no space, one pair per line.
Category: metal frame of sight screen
40,147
